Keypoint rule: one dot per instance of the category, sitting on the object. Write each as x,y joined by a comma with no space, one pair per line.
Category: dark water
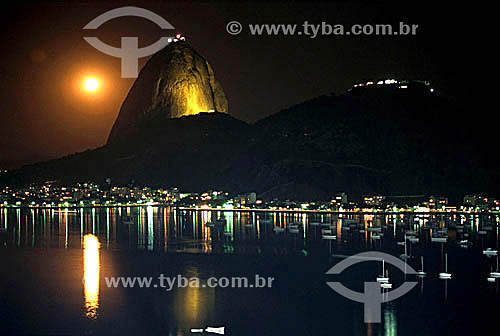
44,262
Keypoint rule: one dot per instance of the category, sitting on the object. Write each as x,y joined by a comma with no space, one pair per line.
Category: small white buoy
196,330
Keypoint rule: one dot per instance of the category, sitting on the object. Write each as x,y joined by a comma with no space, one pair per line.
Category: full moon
91,84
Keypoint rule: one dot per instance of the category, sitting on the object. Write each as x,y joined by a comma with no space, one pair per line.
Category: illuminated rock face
175,82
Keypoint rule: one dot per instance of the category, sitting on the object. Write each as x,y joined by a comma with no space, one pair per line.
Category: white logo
129,51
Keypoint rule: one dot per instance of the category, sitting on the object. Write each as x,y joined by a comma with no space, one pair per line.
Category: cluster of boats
438,232
219,224
412,229
384,280
326,229
489,252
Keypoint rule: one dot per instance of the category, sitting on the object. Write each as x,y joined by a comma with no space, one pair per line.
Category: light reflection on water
390,321
165,229
249,233
91,268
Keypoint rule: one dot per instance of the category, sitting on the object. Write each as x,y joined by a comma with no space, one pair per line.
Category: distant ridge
389,142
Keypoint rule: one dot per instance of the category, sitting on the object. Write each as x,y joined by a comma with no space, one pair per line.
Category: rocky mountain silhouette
175,82
372,140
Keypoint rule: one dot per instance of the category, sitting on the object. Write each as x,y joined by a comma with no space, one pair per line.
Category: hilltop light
178,37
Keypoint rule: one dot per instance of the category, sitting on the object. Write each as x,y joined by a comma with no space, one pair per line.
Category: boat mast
406,250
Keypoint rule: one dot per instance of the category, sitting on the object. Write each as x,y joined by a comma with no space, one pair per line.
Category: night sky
45,114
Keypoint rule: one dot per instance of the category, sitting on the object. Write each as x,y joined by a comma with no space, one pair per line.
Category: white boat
490,279
489,252
326,231
329,237
445,275
292,230
227,234
421,272
386,285
405,256
314,224
217,222
383,278
214,330
376,237
464,243
439,239
413,239
277,229
495,274
374,229
442,231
